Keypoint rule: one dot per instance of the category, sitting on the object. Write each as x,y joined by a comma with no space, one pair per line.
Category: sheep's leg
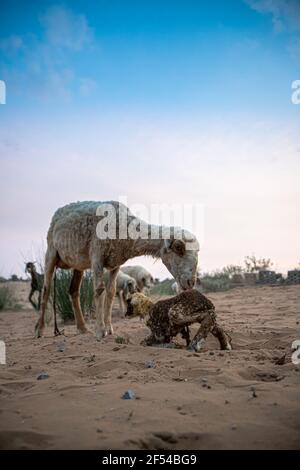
30,299
109,298
39,299
56,329
223,338
121,302
99,294
74,292
50,263
207,324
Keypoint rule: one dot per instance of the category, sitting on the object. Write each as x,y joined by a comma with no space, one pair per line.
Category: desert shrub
63,300
162,288
232,269
254,265
216,281
7,299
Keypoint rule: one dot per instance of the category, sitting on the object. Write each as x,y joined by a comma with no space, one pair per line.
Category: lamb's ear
178,246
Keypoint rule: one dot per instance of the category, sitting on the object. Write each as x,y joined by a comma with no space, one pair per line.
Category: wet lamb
167,318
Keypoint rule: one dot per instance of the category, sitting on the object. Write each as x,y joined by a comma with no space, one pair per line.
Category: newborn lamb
166,318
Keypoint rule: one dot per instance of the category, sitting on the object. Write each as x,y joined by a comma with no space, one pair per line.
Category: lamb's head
30,267
180,256
138,305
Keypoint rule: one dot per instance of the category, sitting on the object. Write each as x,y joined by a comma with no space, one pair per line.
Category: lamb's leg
185,334
180,321
50,263
74,292
109,298
99,295
223,338
207,324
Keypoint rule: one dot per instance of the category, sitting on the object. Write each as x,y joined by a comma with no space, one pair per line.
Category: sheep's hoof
226,344
101,334
110,330
83,330
38,331
57,332
196,345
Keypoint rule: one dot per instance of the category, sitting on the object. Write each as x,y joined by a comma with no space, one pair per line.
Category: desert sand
239,399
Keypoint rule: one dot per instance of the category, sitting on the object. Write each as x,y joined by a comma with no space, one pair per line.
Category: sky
161,102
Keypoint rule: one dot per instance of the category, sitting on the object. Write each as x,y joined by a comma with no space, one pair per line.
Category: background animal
77,239
143,278
125,286
37,281
169,317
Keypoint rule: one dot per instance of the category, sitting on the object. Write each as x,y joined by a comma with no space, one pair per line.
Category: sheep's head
180,256
138,305
147,281
131,287
30,267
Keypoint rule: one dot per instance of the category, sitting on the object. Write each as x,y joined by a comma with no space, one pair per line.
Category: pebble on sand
128,395
43,376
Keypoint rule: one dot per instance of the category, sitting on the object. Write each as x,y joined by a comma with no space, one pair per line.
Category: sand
238,399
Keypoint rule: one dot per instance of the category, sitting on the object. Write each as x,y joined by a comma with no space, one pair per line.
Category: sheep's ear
178,246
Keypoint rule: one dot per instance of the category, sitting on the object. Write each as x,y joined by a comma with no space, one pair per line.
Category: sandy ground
216,399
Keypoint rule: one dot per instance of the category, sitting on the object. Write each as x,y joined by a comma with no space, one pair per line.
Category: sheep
176,288
166,318
98,235
37,281
125,286
143,278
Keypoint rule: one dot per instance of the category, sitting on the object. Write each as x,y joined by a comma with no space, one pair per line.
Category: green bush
163,288
7,300
215,282
63,300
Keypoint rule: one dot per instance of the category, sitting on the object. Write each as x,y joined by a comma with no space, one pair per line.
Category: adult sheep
143,278
104,235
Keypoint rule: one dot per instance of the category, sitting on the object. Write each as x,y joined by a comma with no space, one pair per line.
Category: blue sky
158,100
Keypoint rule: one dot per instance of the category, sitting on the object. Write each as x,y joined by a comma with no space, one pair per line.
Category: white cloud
285,13
65,29
285,16
87,86
11,44
46,65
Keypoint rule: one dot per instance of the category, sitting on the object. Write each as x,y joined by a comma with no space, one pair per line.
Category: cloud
285,13
65,29
46,61
285,16
87,86
11,44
